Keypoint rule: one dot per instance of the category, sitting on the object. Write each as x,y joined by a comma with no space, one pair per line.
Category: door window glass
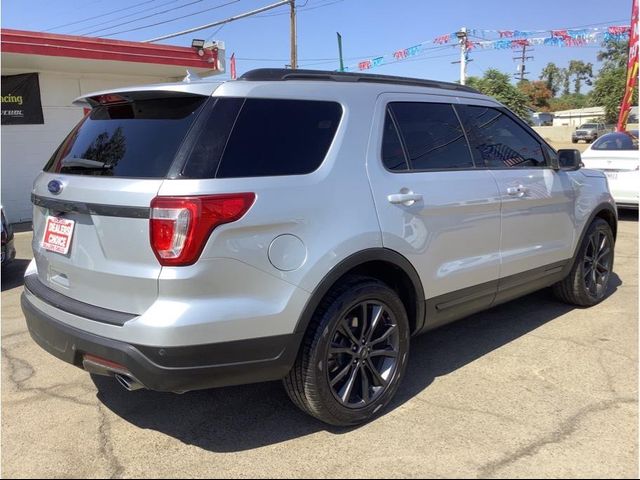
498,141
433,136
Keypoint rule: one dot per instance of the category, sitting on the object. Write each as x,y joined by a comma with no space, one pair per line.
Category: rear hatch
92,202
612,162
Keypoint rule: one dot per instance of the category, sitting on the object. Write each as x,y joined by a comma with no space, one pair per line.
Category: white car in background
616,154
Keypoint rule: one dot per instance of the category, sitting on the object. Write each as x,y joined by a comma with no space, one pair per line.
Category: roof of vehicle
621,141
270,76
282,74
614,134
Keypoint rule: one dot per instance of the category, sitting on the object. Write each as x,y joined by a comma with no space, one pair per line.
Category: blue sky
368,27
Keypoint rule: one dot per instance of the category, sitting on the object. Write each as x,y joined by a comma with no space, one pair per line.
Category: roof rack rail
278,74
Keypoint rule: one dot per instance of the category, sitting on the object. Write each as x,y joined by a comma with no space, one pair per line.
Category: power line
120,18
221,22
300,9
101,15
215,32
162,12
170,20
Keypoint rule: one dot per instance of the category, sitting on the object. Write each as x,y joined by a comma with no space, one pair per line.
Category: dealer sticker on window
57,235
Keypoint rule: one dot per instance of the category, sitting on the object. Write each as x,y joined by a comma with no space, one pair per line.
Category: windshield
138,138
616,141
589,125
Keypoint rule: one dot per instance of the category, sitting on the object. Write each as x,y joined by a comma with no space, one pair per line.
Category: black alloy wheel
588,281
363,354
354,353
596,266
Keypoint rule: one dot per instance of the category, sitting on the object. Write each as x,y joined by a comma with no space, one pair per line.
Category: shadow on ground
13,273
247,417
628,215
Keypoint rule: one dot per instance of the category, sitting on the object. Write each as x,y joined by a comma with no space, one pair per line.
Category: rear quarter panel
330,210
592,192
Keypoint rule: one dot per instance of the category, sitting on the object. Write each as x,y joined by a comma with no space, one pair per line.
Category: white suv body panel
465,232
451,236
110,263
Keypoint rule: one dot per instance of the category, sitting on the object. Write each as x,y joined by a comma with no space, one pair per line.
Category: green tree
582,72
552,76
571,101
610,85
538,94
608,92
565,76
498,85
615,54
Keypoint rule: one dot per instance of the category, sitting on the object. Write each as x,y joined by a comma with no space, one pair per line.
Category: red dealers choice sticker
57,235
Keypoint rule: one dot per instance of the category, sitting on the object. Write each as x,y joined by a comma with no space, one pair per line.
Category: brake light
110,99
180,226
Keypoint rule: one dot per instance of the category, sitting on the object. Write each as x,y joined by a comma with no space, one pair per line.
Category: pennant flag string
506,39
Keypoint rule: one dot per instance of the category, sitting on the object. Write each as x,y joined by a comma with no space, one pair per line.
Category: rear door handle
406,199
519,191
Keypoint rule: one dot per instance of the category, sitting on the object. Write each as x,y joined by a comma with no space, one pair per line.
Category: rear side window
616,141
498,141
392,153
264,137
433,136
136,138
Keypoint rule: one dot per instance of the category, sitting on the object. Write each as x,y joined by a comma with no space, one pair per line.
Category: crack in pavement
467,410
608,376
566,429
585,345
20,371
14,334
106,447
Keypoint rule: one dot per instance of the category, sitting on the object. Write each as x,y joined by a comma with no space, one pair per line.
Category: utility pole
522,67
294,43
464,54
340,51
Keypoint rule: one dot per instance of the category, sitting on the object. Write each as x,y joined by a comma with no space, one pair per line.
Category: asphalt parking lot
533,388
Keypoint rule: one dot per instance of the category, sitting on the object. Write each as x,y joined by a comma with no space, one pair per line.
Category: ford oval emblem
55,186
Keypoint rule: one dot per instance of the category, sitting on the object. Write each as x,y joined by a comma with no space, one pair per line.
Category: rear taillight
180,226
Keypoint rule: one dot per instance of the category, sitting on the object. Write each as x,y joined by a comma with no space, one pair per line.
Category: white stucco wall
26,148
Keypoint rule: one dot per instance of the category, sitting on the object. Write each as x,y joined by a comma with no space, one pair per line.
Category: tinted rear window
263,137
616,141
433,136
135,139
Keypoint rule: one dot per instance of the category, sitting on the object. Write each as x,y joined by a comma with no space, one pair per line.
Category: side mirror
569,159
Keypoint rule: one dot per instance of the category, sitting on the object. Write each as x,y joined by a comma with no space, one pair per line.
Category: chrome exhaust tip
128,383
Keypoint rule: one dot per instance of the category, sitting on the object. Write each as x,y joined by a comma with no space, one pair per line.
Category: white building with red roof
67,67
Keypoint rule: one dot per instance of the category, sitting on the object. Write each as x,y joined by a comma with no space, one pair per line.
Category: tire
318,384
574,141
586,285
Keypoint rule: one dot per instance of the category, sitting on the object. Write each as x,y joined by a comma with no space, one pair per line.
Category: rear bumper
170,369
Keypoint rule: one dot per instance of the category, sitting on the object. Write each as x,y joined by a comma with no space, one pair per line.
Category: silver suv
299,225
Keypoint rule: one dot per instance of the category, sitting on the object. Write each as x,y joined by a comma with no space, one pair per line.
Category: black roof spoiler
280,74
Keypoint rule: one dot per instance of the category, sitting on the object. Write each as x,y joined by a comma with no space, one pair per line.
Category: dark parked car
8,249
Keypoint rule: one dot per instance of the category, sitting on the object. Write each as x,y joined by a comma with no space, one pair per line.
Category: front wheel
587,283
354,354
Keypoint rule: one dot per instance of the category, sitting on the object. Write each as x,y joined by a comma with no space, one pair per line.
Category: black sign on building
21,100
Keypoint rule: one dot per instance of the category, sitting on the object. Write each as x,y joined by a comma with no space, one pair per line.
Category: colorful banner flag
632,70
502,39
